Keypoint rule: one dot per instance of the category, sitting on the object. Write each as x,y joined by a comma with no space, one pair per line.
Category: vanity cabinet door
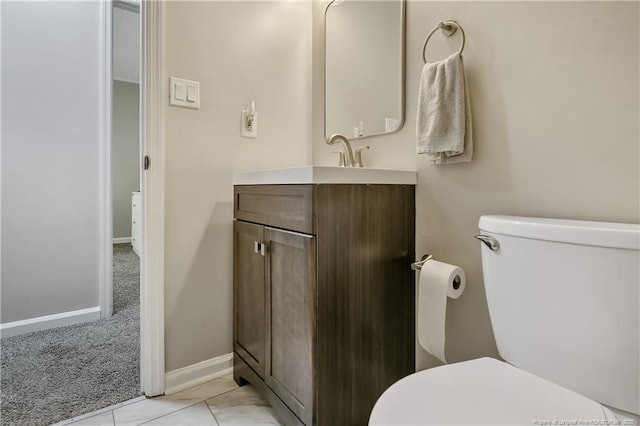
291,315
249,295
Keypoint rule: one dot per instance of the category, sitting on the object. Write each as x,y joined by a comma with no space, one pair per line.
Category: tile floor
219,402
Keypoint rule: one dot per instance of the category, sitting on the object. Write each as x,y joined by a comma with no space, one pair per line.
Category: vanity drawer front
282,206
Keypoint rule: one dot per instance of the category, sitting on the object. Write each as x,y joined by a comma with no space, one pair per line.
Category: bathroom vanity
324,295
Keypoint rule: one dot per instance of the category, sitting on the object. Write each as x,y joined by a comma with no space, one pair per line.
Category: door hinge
146,162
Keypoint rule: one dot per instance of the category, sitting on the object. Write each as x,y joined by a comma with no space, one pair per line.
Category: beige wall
239,51
554,89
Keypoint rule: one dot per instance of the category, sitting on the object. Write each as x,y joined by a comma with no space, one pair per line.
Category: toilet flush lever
490,242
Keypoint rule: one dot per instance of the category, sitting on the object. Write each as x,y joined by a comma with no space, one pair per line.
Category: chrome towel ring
448,29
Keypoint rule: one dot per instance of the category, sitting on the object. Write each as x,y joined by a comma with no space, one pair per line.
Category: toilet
563,299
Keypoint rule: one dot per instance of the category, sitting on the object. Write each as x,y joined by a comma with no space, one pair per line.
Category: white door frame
153,96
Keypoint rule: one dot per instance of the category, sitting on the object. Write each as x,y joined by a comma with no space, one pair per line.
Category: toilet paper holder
416,266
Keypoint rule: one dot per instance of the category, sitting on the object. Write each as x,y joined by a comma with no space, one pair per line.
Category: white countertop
326,174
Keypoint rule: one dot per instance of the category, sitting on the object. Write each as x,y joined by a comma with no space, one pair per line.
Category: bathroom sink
325,174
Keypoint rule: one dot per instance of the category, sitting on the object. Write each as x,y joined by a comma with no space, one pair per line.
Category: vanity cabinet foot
243,374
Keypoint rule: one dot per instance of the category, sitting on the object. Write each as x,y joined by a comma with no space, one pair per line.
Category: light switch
184,93
191,93
180,92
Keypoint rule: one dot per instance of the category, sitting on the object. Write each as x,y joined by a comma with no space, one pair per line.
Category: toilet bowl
482,391
563,299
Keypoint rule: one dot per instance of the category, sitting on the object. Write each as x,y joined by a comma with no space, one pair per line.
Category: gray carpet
55,374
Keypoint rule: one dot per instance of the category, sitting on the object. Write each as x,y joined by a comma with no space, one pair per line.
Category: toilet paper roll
437,283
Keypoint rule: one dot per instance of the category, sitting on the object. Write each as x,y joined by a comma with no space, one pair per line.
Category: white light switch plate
184,93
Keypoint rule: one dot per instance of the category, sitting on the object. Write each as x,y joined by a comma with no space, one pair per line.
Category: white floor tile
81,418
195,415
207,390
226,405
149,409
104,419
152,408
243,406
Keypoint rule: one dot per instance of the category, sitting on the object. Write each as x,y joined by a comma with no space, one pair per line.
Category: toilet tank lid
602,234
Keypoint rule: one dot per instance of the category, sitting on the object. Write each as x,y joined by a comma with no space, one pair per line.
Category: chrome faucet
348,152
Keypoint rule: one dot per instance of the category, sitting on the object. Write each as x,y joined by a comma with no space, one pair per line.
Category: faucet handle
358,159
341,154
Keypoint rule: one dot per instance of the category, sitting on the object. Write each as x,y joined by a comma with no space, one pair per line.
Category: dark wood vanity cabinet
274,300
249,295
324,296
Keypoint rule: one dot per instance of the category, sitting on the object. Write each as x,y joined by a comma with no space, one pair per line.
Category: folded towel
444,113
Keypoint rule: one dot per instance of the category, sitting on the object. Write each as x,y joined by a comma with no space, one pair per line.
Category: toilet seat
481,391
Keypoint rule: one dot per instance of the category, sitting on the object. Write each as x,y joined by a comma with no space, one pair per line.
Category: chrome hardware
341,161
448,28
348,161
358,159
259,248
490,242
416,266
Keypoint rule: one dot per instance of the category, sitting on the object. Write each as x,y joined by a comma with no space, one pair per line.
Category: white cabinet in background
136,221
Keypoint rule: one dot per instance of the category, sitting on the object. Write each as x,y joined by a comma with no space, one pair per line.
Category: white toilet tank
563,298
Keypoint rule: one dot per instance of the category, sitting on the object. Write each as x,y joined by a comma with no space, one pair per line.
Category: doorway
57,240
152,96
126,198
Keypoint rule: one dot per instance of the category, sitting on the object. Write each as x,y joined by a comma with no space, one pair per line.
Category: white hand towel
444,113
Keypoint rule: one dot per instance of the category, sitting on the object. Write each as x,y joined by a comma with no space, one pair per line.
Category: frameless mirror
364,67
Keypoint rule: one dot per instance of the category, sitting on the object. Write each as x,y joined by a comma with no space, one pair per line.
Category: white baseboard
16,328
196,374
122,240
